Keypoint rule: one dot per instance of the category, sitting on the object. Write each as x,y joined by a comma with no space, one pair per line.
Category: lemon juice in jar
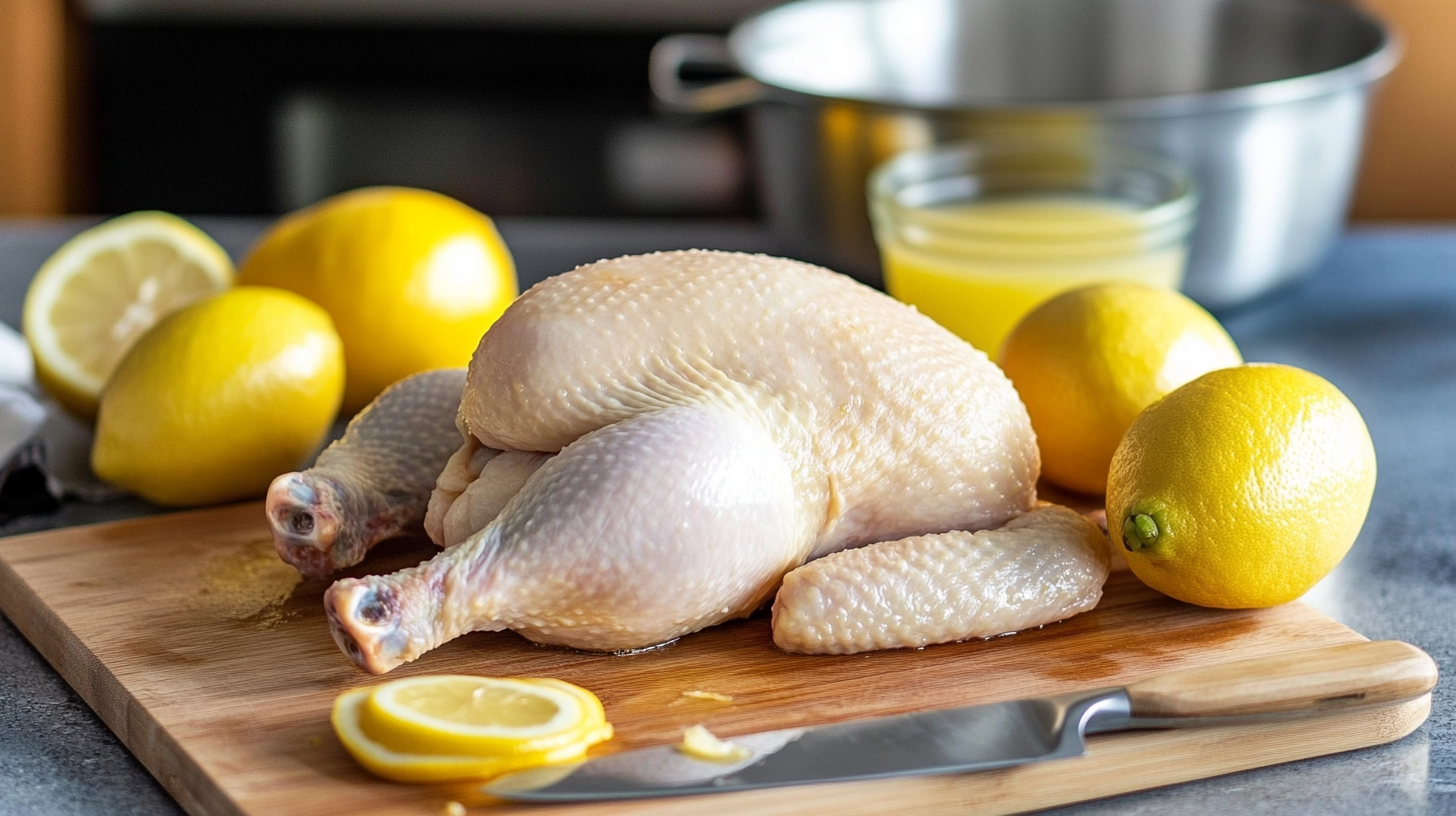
976,235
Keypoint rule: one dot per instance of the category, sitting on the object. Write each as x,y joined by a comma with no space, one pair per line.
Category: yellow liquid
981,288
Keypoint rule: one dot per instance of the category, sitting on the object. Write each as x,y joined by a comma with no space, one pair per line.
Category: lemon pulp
700,743
481,715
469,703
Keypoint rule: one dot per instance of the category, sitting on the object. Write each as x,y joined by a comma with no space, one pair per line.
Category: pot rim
1361,72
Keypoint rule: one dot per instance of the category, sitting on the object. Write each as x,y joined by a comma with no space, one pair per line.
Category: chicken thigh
697,425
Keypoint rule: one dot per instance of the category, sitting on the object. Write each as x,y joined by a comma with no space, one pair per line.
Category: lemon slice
102,289
477,716
402,766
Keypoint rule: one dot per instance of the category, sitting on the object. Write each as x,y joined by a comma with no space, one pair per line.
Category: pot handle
676,51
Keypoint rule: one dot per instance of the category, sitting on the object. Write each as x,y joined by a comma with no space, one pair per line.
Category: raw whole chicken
652,443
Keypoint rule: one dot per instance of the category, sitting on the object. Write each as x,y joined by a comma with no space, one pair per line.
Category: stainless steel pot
1264,101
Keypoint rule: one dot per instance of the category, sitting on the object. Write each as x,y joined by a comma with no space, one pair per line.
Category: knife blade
998,735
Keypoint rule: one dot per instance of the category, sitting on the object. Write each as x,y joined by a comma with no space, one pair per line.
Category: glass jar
977,234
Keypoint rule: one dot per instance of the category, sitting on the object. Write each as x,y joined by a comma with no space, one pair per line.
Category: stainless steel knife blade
981,737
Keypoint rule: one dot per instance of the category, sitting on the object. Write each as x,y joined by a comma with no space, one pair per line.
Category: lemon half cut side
104,288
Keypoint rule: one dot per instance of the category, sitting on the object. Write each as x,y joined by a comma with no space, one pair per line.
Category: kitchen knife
1293,684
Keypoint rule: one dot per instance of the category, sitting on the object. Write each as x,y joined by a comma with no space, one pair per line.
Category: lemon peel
412,279
1088,361
219,398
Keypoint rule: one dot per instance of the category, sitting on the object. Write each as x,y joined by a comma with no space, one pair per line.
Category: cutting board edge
104,693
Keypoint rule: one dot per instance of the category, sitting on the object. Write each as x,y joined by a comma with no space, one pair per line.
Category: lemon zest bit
708,695
698,742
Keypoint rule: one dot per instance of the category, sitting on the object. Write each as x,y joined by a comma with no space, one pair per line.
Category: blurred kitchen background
517,107
261,106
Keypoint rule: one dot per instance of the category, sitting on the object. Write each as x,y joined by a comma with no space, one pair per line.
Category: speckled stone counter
1378,320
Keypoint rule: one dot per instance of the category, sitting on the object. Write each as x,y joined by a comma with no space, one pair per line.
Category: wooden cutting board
213,663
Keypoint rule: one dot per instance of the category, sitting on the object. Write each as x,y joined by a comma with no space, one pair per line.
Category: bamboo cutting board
213,663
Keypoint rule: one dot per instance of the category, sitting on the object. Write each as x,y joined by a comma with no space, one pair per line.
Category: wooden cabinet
33,105
1410,160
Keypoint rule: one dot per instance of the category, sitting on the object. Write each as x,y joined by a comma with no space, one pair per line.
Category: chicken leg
673,520
373,482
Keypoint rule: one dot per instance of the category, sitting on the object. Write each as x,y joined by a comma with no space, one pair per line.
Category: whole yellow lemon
1088,361
411,278
1243,488
220,397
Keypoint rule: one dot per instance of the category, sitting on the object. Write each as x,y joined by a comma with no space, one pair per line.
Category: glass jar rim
952,169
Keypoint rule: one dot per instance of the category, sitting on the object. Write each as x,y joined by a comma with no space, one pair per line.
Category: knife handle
1328,678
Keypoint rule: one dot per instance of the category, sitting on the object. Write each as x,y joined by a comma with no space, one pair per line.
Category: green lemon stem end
1139,532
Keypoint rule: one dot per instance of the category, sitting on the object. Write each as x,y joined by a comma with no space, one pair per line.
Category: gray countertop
1378,320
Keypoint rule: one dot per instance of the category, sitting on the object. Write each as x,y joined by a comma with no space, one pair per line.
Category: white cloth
21,418
27,416
16,367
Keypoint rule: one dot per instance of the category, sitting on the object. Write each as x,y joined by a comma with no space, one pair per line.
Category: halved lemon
102,289
401,766
479,716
